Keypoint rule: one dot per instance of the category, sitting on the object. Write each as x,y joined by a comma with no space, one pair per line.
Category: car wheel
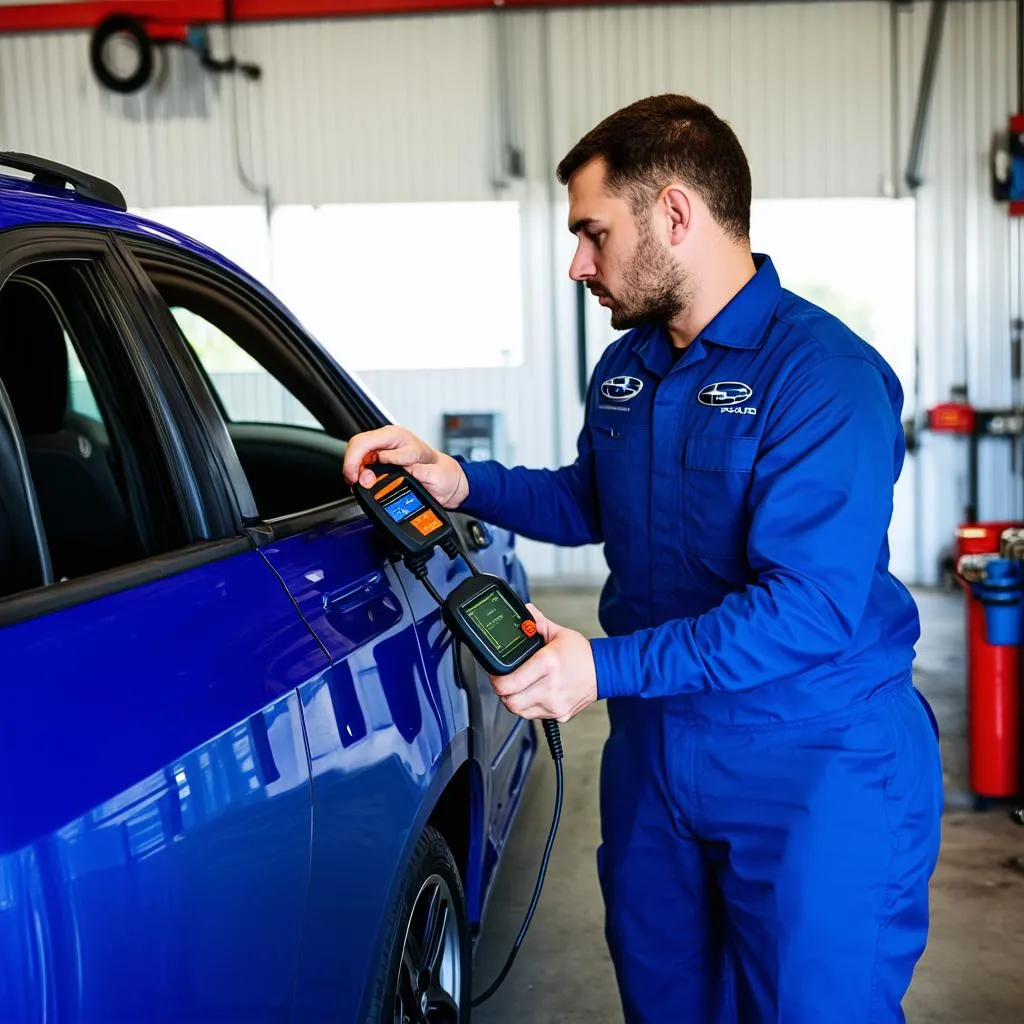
425,970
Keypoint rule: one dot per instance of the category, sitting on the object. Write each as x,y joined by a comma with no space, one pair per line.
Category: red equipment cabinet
993,681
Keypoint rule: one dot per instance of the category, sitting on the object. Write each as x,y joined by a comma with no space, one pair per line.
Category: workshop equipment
994,587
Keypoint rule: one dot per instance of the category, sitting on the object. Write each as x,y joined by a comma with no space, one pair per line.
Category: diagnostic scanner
487,615
398,503
484,612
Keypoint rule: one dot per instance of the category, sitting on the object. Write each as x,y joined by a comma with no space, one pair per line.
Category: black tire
431,892
123,25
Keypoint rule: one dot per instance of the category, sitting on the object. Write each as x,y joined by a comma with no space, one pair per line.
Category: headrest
33,358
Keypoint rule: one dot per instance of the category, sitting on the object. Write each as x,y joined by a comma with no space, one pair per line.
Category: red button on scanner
529,627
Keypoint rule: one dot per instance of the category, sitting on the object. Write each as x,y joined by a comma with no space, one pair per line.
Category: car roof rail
48,172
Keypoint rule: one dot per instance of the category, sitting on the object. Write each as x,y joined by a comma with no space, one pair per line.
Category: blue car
245,773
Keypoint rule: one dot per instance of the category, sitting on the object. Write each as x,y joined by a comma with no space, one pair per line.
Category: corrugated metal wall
347,111
821,95
805,86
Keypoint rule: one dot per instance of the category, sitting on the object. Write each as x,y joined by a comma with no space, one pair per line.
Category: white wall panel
968,275
346,111
804,85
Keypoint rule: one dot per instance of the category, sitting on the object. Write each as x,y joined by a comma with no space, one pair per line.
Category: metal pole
936,22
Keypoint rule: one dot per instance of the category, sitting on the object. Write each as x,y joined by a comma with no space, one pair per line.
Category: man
771,786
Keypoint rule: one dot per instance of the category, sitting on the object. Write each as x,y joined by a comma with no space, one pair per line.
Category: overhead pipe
55,17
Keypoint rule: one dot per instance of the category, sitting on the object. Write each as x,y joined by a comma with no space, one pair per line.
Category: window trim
9,425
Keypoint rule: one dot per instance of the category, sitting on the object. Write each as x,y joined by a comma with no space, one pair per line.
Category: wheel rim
430,972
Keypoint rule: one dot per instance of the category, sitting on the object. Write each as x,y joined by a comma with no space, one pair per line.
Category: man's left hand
558,682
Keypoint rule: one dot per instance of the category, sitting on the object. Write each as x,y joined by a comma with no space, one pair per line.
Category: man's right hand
395,446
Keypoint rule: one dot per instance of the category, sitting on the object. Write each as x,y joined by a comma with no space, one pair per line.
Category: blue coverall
771,787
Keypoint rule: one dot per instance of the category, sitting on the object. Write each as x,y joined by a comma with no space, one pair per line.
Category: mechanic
771,787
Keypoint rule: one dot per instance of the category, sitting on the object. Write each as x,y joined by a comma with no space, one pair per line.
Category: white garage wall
398,109
967,257
347,111
804,85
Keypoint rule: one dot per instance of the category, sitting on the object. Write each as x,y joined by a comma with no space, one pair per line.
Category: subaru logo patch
729,392
622,389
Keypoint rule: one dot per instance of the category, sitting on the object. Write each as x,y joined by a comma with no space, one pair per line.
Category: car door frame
199,507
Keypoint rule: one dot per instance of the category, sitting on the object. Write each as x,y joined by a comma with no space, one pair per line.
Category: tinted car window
103,493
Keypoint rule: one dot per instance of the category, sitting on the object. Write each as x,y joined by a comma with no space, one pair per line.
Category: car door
155,798
503,744
379,729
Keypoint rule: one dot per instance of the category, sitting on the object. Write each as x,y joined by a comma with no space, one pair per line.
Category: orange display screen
426,523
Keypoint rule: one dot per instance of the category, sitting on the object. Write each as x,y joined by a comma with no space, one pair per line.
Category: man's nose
582,266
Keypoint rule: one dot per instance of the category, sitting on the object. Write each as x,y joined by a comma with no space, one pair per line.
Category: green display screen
497,620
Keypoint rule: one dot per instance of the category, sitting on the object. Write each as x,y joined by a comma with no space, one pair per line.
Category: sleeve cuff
617,665
481,479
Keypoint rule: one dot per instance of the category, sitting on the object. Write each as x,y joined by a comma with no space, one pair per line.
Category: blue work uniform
771,788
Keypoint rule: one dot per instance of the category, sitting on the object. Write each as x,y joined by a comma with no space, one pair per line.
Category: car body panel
503,745
376,735
155,795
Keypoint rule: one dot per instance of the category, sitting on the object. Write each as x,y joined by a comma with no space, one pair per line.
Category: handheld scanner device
484,612
400,505
488,615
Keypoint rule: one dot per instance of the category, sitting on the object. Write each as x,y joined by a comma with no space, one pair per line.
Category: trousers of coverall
776,873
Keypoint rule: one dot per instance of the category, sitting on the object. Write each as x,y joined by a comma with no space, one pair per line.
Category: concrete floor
972,971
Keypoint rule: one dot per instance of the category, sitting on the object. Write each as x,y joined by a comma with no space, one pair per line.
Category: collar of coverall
743,322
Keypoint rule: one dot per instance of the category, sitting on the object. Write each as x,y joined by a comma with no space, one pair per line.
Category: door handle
347,599
479,536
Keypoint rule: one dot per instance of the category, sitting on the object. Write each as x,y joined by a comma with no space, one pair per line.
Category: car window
247,392
104,492
285,420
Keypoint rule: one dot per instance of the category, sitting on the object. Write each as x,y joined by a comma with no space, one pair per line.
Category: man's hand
558,682
395,446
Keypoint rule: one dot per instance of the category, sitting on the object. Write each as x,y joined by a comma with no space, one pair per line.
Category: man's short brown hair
664,138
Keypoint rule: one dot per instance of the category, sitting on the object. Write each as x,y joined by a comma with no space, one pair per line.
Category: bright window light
853,257
405,286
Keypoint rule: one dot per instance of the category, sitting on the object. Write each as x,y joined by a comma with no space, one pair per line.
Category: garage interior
361,156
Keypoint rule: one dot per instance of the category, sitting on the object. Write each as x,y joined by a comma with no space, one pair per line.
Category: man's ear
676,203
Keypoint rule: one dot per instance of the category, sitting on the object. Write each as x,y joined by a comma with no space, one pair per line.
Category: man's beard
654,291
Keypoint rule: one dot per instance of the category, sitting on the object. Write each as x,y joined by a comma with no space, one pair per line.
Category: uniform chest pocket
714,483
611,473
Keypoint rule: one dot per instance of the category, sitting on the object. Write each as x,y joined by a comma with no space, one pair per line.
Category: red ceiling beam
56,17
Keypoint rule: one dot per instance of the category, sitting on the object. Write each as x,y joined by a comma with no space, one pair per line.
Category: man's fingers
545,626
392,445
525,676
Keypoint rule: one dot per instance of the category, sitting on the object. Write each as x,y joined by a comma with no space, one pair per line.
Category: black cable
418,567
452,547
555,746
